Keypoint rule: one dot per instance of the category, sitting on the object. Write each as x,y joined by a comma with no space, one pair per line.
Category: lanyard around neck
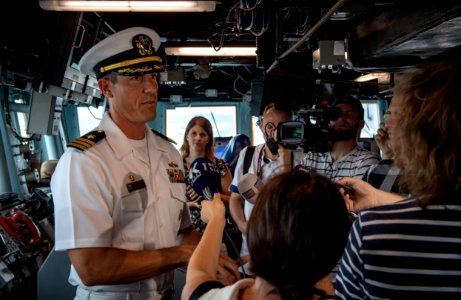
259,168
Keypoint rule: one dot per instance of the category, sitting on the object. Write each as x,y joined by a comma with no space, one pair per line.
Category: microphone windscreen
204,177
249,186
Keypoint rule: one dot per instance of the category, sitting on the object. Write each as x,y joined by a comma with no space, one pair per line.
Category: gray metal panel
41,113
52,278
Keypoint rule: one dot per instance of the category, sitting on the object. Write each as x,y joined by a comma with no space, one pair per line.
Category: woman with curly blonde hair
411,249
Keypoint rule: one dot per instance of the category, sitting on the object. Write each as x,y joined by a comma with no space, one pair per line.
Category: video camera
312,133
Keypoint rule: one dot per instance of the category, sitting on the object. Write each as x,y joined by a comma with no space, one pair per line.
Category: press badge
175,174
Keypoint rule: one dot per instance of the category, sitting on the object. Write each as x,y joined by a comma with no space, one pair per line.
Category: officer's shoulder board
163,136
88,140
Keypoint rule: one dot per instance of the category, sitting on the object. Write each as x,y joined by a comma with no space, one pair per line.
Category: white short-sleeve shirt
264,168
110,196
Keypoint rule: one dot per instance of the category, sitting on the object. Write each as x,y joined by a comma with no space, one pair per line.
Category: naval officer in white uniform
119,191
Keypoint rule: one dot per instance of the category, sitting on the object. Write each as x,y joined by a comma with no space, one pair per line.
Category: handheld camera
312,133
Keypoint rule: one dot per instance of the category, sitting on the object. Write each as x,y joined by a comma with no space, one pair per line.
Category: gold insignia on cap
122,50
130,62
135,70
132,178
144,44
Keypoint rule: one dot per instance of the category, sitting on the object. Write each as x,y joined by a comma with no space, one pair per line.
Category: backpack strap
248,157
204,287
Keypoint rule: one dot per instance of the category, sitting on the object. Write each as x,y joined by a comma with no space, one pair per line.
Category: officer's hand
193,197
228,272
195,203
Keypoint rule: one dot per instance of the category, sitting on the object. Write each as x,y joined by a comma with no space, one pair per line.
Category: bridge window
89,117
258,137
222,118
374,110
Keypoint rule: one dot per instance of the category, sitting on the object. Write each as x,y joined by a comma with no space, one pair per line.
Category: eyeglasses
269,126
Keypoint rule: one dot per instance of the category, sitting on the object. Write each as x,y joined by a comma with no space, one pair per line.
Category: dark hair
279,106
352,101
206,125
297,232
112,77
276,110
429,131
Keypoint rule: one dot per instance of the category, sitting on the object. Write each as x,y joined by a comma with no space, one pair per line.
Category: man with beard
267,160
346,158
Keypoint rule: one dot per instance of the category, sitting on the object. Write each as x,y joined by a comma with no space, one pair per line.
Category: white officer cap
131,51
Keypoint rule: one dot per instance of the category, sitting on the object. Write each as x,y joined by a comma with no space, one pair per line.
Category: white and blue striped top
401,251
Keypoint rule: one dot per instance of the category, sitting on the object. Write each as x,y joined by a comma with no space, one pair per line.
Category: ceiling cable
314,28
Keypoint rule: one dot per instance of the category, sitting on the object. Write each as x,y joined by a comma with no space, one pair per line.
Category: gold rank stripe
75,145
88,140
82,143
130,62
85,141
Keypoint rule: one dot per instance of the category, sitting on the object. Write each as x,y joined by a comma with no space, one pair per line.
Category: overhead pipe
308,34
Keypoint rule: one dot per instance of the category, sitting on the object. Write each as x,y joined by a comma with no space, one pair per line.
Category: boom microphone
249,186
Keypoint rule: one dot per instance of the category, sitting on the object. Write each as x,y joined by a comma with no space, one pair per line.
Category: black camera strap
248,157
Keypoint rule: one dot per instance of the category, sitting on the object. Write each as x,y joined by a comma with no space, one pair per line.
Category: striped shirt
401,251
355,164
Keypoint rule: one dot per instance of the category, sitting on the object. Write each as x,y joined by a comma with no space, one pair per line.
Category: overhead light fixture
209,51
382,77
128,5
